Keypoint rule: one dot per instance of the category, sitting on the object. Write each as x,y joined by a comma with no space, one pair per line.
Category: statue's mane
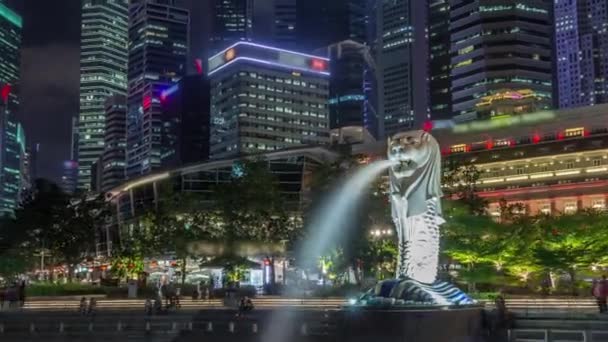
424,184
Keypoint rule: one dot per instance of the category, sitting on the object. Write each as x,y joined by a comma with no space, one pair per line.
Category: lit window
598,203
570,207
545,208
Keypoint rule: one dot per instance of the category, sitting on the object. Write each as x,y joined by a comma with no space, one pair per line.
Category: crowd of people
13,296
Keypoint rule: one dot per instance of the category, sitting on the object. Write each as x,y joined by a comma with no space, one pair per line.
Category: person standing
599,291
22,293
603,294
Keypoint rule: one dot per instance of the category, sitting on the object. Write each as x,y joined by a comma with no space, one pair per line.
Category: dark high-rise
232,21
401,57
440,96
321,23
501,57
581,48
113,160
185,129
158,57
270,22
351,65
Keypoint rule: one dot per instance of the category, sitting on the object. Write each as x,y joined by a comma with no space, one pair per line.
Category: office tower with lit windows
266,99
113,160
501,57
440,98
581,49
103,73
12,139
401,58
158,58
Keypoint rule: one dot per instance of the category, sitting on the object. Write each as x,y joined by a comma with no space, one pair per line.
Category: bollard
61,327
254,328
90,326
1,328
147,326
32,328
190,326
173,326
209,327
119,326
304,329
231,327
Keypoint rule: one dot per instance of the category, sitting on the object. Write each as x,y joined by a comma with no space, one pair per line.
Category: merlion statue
415,193
415,196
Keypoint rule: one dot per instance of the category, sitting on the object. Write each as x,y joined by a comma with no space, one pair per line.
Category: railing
546,306
556,335
138,304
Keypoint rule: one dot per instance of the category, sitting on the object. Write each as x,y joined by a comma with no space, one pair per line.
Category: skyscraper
350,62
232,21
158,57
501,62
113,161
185,129
103,73
401,58
269,22
581,48
440,97
266,99
321,23
12,140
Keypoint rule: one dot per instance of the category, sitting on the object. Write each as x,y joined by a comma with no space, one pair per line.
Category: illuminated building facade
103,73
267,99
499,46
581,48
551,162
401,57
185,129
113,160
12,139
158,59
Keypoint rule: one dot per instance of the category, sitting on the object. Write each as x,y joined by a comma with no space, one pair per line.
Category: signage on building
269,56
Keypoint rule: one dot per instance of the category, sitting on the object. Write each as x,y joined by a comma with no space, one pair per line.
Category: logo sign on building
268,56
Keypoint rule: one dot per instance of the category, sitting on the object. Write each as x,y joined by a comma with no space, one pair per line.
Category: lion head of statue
416,172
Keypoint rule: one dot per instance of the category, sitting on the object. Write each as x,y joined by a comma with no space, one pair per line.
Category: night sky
49,78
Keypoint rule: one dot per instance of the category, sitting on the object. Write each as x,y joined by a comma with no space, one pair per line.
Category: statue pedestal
411,293
364,324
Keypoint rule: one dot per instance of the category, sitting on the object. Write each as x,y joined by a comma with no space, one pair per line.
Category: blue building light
347,98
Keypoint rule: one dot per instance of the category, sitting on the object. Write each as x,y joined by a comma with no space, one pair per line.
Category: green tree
568,243
252,208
